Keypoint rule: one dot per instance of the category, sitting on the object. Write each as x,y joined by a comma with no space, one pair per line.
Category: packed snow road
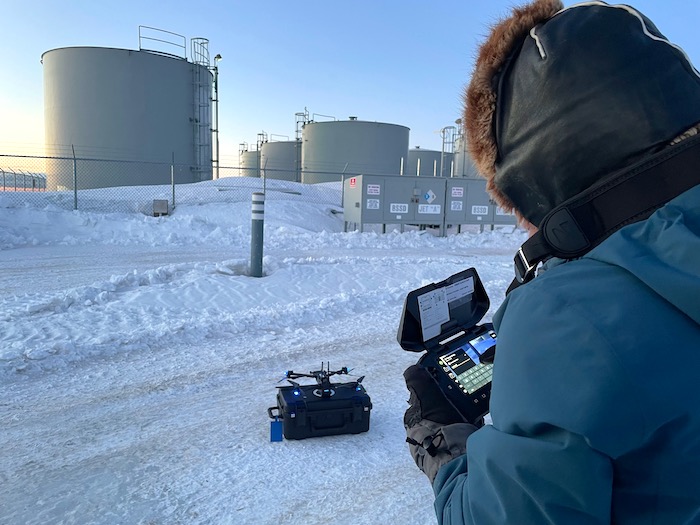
182,437
135,381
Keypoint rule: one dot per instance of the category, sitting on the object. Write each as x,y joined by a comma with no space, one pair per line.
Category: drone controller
441,319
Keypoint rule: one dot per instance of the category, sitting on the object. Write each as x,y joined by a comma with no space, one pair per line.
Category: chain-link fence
91,184
152,188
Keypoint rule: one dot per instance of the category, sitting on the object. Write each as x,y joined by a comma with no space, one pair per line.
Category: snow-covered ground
138,358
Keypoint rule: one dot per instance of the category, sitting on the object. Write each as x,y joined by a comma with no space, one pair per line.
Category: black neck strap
579,224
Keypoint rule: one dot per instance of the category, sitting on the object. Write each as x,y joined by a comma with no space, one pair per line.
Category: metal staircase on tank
302,118
202,109
449,135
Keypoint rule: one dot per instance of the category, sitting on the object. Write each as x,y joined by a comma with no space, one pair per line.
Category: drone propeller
289,374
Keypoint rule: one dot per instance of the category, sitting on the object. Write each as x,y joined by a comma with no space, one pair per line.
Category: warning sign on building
373,189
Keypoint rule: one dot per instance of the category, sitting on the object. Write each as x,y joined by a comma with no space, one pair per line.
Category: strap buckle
524,270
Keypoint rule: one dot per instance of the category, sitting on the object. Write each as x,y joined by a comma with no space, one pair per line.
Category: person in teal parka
595,401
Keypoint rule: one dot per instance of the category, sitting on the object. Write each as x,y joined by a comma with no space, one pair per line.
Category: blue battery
276,430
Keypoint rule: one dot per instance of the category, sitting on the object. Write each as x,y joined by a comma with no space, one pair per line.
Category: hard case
306,414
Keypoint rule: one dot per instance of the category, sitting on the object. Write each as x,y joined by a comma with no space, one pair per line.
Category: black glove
427,400
435,432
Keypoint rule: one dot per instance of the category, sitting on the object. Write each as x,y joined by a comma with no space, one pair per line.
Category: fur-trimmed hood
561,97
480,97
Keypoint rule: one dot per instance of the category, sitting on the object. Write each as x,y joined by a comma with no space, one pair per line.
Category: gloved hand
435,432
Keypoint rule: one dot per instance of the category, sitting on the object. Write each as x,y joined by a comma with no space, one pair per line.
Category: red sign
353,182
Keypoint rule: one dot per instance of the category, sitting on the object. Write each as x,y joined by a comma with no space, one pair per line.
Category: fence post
256,234
263,173
75,179
172,179
3,179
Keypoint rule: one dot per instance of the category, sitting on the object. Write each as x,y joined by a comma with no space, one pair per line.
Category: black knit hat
560,98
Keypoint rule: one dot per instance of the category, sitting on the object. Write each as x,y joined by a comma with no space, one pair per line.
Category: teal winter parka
596,389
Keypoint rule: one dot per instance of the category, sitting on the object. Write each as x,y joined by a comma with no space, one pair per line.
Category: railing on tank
167,42
199,51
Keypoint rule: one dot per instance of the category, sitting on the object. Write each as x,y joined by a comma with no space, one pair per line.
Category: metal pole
172,180
75,179
216,94
256,234
215,100
263,172
342,186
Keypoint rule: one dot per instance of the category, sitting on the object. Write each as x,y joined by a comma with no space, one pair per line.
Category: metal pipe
216,112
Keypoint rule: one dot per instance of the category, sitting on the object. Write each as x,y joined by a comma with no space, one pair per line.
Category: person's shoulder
563,285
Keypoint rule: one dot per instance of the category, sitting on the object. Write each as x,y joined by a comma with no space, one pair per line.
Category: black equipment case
312,411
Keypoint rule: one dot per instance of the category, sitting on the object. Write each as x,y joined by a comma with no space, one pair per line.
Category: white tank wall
281,160
429,163
126,105
464,166
249,164
351,146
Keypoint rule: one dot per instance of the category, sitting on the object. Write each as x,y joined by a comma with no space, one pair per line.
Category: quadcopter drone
323,379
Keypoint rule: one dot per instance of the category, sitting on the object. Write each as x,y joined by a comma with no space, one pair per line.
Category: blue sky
402,62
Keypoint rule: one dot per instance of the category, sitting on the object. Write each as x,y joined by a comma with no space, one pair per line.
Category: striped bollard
256,234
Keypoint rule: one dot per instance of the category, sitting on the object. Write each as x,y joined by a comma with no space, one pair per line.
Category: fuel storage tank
281,160
139,108
428,163
463,164
249,163
332,148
